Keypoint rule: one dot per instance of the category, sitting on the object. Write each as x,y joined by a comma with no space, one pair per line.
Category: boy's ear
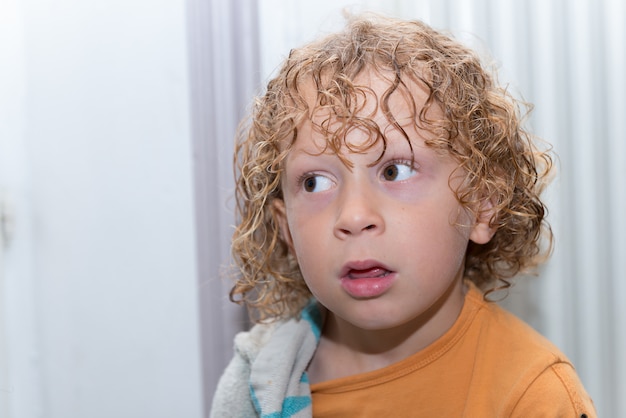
280,217
482,231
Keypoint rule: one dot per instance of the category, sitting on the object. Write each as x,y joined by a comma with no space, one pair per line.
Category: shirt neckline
472,304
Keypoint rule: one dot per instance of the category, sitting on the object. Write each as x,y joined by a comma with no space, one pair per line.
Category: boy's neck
346,350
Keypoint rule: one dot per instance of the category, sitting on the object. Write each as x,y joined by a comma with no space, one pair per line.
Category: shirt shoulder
557,392
521,365
504,337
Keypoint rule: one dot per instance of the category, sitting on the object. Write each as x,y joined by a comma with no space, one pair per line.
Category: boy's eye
398,172
316,183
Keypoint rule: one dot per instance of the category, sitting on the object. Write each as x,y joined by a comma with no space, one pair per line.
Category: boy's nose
359,212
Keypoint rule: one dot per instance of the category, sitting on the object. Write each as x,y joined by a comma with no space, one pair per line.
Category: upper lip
361,265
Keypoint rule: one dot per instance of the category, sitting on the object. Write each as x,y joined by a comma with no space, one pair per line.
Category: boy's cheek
279,213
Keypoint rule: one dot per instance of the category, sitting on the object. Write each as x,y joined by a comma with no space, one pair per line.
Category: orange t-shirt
489,364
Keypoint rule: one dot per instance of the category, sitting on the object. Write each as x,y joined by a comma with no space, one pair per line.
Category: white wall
99,299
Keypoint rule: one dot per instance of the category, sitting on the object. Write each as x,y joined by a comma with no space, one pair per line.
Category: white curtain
566,57
224,77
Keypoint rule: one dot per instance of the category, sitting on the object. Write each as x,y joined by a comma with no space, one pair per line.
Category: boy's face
379,245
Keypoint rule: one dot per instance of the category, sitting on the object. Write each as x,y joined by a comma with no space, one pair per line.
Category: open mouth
367,279
372,272
364,269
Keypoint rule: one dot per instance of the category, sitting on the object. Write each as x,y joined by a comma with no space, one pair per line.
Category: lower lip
370,287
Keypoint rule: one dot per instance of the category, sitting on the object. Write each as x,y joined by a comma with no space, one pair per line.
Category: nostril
370,227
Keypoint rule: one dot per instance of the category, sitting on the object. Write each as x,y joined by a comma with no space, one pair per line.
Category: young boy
385,188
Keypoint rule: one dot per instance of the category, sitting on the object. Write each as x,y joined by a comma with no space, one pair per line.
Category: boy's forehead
374,104
365,95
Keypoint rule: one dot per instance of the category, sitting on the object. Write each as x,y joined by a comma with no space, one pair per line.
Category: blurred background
116,127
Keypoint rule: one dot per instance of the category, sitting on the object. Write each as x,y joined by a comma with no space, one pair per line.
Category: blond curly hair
481,128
